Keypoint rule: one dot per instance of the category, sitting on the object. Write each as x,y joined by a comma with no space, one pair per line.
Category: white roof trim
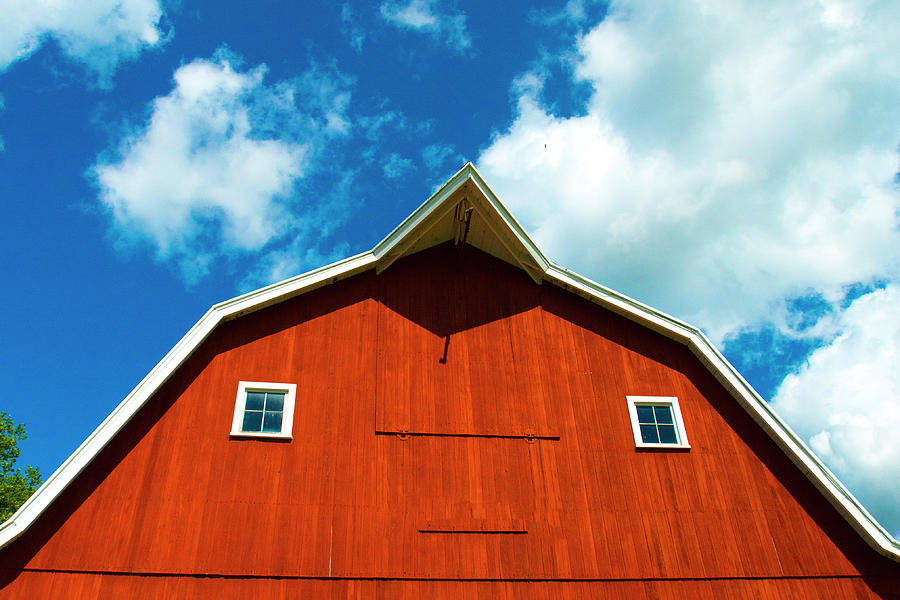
510,233
531,259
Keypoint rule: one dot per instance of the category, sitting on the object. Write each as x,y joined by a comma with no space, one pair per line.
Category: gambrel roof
465,210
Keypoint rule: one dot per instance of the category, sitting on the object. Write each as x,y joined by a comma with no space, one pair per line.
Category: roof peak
488,226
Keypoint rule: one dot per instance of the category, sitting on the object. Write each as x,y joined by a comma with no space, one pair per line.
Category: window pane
252,421
272,422
255,400
274,401
645,414
648,434
663,414
667,434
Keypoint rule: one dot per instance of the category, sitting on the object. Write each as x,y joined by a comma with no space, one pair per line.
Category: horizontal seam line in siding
449,579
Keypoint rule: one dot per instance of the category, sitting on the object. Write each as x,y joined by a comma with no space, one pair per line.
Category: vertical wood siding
518,460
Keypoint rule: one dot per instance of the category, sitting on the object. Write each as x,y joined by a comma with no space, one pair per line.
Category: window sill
662,447
275,437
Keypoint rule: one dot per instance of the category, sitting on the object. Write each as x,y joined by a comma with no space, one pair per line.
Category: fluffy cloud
213,171
843,402
298,255
435,155
422,15
351,28
735,165
395,166
730,157
99,33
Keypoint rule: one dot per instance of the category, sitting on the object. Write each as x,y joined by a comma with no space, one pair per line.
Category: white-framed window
656,422
264,409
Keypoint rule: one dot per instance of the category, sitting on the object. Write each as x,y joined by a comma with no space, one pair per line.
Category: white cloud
213,171
844,402
415,15
298,254
374,127
574,12
732,158
99,33
435,155
729,157
351,29
422,15
295,258
395,166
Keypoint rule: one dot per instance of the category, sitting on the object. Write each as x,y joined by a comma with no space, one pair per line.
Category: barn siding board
173,494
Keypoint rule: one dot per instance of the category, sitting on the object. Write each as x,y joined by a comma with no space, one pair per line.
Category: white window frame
672,401
287,419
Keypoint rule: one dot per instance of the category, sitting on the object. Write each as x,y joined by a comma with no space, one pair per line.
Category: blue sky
732,164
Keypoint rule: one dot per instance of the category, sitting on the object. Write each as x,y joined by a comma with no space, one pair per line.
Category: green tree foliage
15,487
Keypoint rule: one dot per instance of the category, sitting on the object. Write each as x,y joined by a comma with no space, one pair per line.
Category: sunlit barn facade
448,415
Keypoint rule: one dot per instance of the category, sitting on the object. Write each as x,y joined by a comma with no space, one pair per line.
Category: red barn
450,415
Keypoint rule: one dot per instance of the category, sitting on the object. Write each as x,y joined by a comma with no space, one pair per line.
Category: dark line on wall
485,531
514,436
443,359
444,579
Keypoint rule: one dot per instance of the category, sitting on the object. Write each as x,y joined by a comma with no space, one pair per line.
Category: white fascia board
759,410
281,291
424,210
533,263
540,261
796,449
620,303
122,414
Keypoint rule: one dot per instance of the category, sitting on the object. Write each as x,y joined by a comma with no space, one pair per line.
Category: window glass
656,423
645,414
263,412
272,422
667,434
252,421
649,434
274,401
663,414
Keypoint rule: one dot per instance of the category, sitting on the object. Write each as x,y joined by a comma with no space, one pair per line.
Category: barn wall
511,402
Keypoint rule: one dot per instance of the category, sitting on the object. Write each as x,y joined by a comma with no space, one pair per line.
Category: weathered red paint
521,389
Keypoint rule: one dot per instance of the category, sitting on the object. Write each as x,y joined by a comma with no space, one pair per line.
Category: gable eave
469,184
539,268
